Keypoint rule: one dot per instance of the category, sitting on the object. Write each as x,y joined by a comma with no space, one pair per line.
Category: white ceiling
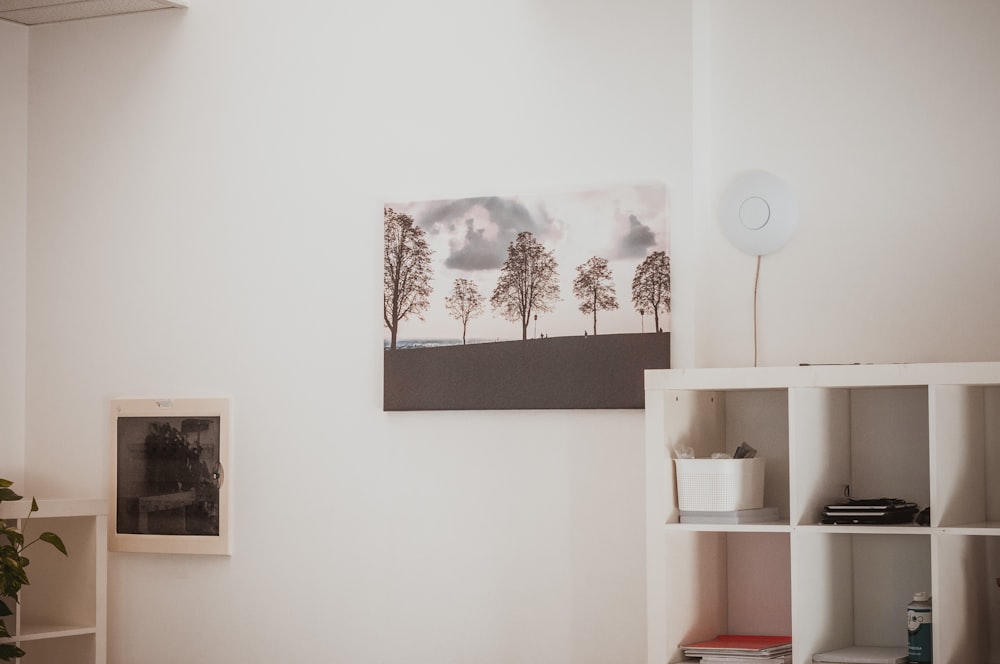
34,12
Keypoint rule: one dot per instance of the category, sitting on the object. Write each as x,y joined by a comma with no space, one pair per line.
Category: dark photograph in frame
169,477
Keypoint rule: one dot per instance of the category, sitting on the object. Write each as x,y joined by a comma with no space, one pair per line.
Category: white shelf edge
776,527
54,507
834,376
40,632
988,528
889,529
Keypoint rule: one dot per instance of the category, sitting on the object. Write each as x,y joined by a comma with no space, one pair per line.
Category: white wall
13,218
883,117
204,201
205,205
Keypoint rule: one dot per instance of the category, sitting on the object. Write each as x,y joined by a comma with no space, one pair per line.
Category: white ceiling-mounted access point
758,212
36,12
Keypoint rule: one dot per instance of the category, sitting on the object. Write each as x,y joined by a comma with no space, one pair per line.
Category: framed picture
543,301
169,486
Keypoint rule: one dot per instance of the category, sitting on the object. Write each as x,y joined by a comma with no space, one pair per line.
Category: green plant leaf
4,610
5,483
9,652
54,540
34,504
8,494
10,561
14,536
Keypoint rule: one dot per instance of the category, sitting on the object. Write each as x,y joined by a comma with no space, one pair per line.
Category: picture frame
545,300
170,486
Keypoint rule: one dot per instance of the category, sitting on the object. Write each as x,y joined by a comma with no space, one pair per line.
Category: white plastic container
720,484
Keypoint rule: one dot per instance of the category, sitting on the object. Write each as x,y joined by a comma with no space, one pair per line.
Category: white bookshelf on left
61,616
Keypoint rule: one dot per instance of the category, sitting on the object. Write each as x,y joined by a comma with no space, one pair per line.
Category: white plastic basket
720,484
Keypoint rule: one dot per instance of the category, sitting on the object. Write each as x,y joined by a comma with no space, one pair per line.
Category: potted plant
12,564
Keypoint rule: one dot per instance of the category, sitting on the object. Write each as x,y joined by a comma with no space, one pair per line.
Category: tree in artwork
464,303
407,272
528,282
651,286
594,287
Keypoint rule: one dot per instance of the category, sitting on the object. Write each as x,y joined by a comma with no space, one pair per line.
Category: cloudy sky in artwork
470,236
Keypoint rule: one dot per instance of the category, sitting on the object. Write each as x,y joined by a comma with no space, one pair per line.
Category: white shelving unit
61,615
929,433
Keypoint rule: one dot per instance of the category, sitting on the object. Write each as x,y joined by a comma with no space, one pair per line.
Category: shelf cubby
716,421
74,649
965,428
871,442
856,586
737,582
967,598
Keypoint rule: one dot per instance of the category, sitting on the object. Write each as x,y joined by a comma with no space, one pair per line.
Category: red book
741,643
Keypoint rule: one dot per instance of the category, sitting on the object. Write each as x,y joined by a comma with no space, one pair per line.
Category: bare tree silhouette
651,286
464,303
594,287
529,281
407,271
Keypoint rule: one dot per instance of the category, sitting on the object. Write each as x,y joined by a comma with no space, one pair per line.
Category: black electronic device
870,511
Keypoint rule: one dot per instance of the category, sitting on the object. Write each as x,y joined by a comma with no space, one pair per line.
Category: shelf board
833,376
771,527
54,507
989,528
784,527
39,632
862,529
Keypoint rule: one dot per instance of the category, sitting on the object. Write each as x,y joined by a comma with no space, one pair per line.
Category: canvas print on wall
169,458
516,302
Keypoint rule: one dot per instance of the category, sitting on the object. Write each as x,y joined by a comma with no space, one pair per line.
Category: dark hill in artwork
597,371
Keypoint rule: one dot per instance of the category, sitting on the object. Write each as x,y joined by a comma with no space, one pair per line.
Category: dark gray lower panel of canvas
597,371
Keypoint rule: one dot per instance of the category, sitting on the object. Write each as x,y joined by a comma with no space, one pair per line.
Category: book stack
870,511
742,649
757,515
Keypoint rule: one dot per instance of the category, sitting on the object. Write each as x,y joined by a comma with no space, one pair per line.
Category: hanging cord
756,280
